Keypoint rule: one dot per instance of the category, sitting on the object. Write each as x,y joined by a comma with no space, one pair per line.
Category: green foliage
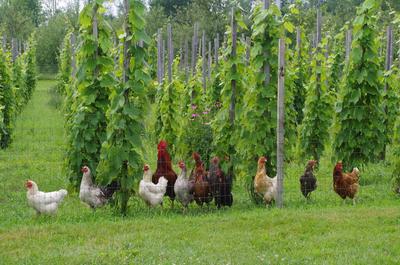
19,17
6,103
392,100
30,74
396,156
50,38
258,122
318,111
170,110
121,153
18,83
233,68
87,125
336,61
299,67
65,68
361,136
197,134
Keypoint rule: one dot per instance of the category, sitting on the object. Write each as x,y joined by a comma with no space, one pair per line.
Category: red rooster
202,191
164,169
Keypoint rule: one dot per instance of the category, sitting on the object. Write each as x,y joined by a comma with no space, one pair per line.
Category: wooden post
186,60
181,57
95,37
216,51
115,43
159,54
204,61
281,122
126,59
233,82
4,44
389,48
170,53
209,60
224,42
298,41
248,49
163,61
319,26
14,49
318,41
19,47
348,44
267,67
278,3
194,48
73,55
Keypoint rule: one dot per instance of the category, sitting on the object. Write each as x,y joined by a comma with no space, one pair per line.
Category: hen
201,190
221,185
43,202
93,195
151,193
164,169
184,187
263,184
308,182
345,184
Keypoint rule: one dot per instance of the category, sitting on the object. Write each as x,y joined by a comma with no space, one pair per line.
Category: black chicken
308,181
221,185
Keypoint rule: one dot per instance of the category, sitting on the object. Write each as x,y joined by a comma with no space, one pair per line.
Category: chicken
184,187
164,169
345,184
43,202
308,182
201,190
263,184
93,195
221,185
151,193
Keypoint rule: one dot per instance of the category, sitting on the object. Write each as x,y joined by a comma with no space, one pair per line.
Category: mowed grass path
322,231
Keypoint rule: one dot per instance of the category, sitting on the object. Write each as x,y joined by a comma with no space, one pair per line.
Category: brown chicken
265,185
164,169
202,191
308,182
345,184
220,184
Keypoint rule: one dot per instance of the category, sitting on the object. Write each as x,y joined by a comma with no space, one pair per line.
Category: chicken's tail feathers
110,189
356,170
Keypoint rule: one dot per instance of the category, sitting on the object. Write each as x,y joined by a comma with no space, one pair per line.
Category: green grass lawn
322,231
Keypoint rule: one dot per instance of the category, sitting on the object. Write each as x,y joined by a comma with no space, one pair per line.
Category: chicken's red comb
196,156
28,184
162,145
215,160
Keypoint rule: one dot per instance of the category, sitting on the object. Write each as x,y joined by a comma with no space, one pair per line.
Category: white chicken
265,185
183,187
151,193
43,202
90,193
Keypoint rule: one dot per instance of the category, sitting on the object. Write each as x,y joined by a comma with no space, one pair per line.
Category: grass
322,231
